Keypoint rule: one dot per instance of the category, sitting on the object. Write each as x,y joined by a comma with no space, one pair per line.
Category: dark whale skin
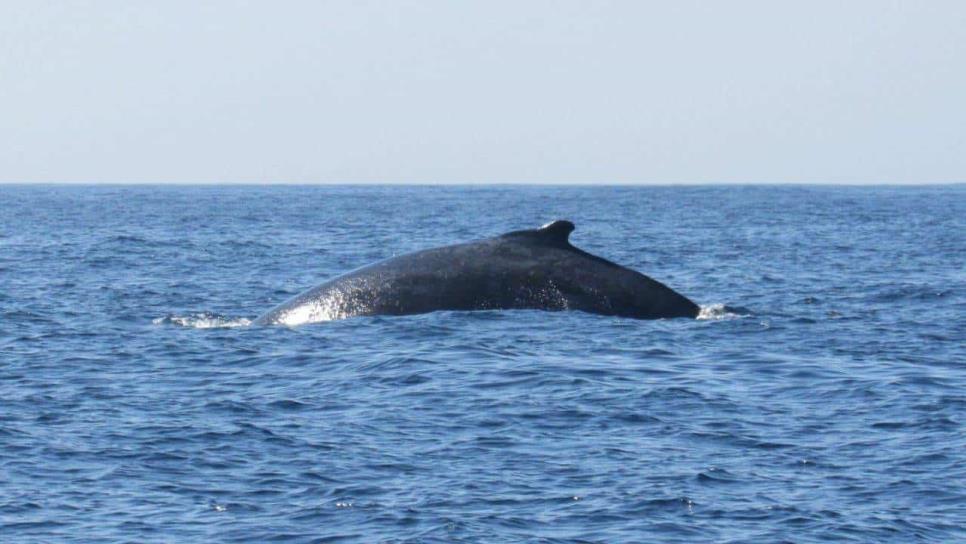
529,269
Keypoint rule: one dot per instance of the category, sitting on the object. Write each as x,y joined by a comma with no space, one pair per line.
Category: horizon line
485,183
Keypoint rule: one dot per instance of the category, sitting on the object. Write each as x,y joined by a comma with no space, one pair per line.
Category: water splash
205,320
717,312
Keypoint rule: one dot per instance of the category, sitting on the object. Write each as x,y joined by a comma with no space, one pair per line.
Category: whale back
525,269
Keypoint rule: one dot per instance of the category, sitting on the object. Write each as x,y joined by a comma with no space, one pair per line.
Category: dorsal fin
558,230
555,233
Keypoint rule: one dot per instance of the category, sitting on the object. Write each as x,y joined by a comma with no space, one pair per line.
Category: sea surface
820,398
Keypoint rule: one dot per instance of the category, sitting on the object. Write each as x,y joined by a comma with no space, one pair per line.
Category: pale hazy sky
543,91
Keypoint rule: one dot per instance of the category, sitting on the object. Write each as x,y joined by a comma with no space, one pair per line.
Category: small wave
204,320
721,312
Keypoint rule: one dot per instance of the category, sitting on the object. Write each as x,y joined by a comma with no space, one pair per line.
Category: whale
535,269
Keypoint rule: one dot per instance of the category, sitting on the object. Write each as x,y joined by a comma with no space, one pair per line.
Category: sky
520,91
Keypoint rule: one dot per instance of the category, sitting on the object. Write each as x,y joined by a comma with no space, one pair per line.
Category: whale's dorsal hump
555,233
558,230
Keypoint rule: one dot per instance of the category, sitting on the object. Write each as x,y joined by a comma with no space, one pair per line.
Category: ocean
820,397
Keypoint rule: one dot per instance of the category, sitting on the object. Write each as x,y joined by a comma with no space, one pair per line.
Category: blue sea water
820,398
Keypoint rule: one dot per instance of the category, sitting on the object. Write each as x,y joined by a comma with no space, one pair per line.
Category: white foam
203,321
718,312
